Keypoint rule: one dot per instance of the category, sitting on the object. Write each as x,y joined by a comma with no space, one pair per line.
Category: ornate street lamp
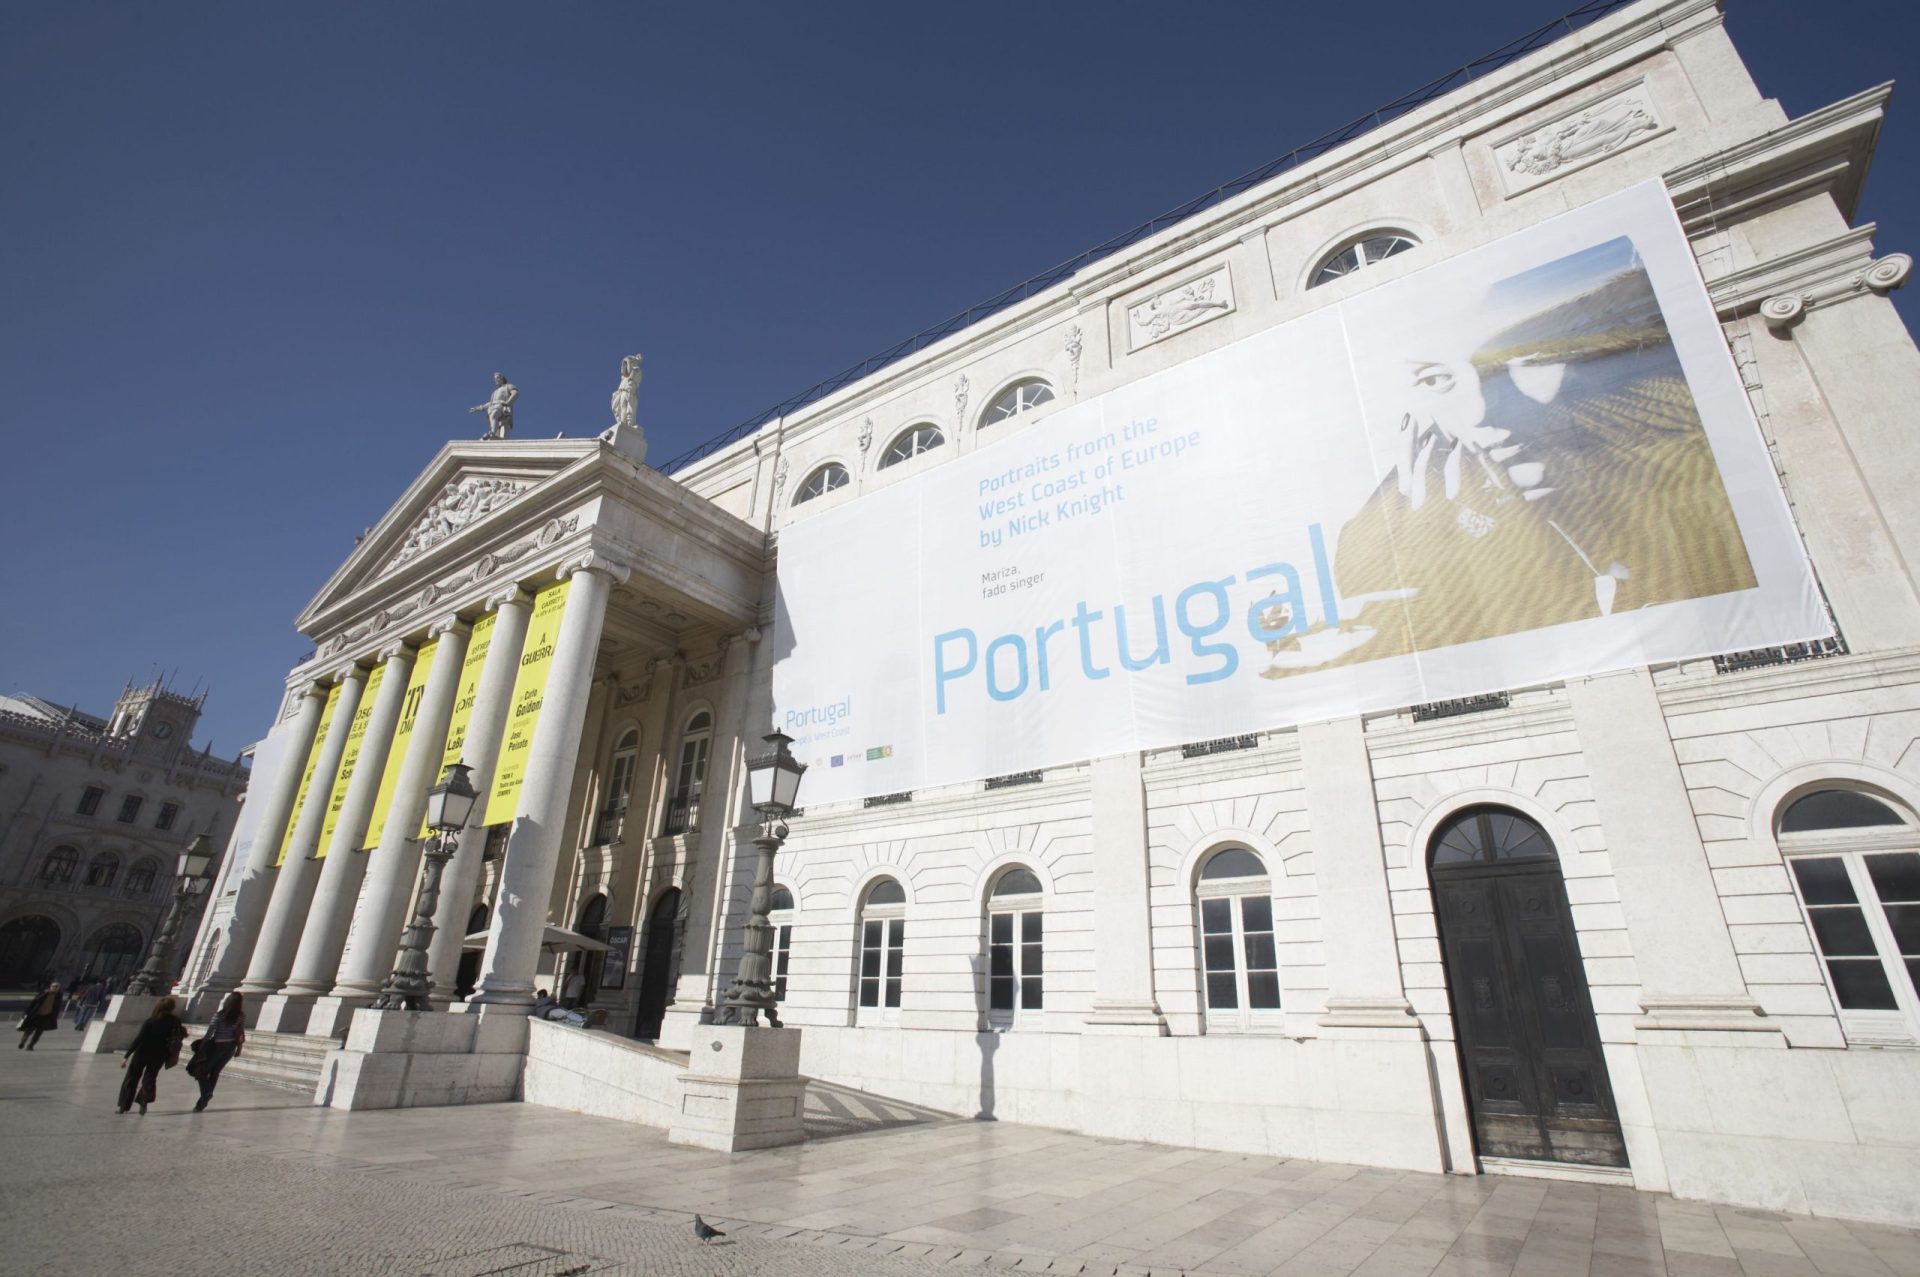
155,978
448,805
773,783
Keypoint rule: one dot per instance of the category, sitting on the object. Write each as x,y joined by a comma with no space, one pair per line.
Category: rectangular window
1000,977
882,955
783,940
90,800
1864,911
169,812
129,809
1030,961
1216,941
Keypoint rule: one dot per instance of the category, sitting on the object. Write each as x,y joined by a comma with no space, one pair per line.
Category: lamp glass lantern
773,779
196,859
450,802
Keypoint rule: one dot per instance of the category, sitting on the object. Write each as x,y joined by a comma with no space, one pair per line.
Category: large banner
1528,462
478,645
529,694
397,751
306,772
349,759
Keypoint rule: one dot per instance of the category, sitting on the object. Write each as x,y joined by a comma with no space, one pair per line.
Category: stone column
1123,994
316,962
526,882
395,860
1689,976
485,726
1350,868
256,879
293,889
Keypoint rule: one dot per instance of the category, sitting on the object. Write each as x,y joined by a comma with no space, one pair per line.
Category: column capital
449,624
346,672
597,561
396,648
512,596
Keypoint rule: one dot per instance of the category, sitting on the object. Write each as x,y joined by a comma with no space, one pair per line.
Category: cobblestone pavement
265,1183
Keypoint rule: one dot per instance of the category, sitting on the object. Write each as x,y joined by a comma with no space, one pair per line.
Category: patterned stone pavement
264,1183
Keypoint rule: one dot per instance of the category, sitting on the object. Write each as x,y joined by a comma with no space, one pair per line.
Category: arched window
883,938
1358,254
1238,960
1856,865
1483,835
911,442
101,871
690,775
780,915
1022,396
140,879
620,769
112,952
60,866
822,481
1014,947
26,950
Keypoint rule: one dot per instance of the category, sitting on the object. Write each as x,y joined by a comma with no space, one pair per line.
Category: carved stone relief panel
1622,119
464,502
1175,310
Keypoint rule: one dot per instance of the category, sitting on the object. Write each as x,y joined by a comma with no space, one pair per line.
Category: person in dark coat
155,1047
226,1035
42,1014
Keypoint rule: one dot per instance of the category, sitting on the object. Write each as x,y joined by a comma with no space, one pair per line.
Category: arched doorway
592,924
656,971
112,953
468,973
26,951
1529,1047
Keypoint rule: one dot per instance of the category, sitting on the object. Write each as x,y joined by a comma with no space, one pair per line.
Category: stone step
291,1061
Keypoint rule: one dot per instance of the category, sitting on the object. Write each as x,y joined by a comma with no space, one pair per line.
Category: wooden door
656,971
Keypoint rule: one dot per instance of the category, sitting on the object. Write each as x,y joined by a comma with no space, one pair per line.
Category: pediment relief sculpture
463,503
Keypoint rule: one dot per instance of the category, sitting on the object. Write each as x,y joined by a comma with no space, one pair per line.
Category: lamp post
155,978
773,781
448,805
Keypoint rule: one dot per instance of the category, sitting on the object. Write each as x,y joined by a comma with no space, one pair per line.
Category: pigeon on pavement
704,1231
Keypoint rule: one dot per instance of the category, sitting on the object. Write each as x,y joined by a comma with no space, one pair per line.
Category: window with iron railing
1222,745
888,800
1461,705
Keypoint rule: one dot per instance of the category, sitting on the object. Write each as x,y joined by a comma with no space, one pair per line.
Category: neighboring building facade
1659,925
93,813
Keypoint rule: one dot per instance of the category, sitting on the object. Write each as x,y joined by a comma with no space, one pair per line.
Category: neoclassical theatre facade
1656,925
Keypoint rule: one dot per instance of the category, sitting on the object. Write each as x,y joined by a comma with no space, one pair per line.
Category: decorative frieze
461,504
1177,309
1592,132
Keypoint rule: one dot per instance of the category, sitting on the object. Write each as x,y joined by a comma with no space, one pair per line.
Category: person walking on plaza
87,1004
226,1034
43,1013
155,1047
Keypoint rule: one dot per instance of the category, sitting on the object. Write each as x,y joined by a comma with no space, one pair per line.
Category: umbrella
553,938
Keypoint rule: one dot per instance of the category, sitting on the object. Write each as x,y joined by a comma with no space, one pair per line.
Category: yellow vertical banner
349,756
470,670
397,752
529,694
306,773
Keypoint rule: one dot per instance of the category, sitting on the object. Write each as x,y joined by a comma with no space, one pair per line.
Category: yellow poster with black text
529,694
349,756
397,752
306,773
470,670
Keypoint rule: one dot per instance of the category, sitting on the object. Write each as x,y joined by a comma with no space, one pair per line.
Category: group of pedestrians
82,1003
157,1046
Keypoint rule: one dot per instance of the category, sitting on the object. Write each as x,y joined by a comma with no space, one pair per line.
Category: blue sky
257,260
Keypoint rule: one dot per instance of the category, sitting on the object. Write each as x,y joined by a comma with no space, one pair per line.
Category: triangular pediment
466,487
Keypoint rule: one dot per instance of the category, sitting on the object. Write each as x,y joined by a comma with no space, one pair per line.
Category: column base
1369,1018
424,1059
1714,1014
332,1015
285,1013
114,1030
207,999
1138,1018
679,1024
742,1090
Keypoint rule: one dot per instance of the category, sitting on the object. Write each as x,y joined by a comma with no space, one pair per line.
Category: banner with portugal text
349,759
470,670
306,772
529,694
397,752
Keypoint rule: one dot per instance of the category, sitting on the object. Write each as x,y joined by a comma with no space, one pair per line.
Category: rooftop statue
499,408
627,392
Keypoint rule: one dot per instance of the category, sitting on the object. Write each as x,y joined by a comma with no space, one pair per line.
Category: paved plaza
265,1183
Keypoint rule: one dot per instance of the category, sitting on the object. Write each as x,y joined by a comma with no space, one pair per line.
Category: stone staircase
290,1061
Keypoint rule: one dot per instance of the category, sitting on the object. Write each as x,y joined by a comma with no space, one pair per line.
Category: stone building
1702,873
93,813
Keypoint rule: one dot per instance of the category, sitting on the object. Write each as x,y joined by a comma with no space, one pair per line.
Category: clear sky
257,260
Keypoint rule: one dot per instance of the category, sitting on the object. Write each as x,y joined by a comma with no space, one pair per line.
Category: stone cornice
1820,149
1828,676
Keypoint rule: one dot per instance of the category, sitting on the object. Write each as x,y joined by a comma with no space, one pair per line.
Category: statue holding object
499,408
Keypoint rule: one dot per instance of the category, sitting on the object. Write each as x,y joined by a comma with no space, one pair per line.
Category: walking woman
155,1047
224,1038
42,1014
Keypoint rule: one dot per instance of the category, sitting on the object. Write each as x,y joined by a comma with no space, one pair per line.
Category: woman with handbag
43,1014
225,1035
155,1047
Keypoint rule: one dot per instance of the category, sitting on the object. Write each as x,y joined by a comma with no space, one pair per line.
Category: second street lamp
773,783
449,804
155,978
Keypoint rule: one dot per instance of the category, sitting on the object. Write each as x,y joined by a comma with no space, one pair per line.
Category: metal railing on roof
1509,52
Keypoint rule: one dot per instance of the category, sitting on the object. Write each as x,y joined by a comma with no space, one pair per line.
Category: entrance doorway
26,951
592,924
656,971
1529,1048
467,975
